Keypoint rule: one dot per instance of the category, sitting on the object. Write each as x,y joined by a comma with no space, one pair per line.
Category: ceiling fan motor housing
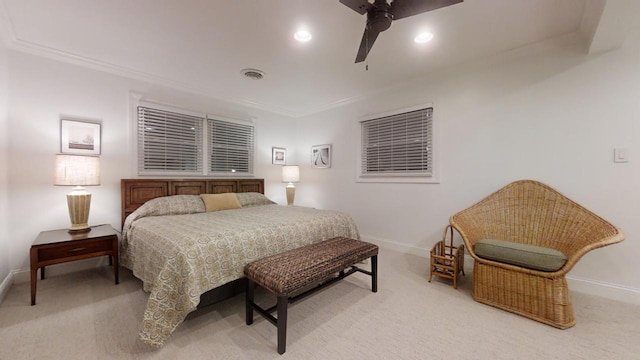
379,18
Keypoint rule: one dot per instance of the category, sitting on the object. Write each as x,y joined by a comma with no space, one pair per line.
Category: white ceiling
201,45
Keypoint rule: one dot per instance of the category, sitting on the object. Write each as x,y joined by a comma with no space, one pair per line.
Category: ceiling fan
380,14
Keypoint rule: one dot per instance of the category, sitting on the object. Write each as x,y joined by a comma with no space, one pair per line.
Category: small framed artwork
278,156
321,156
80,137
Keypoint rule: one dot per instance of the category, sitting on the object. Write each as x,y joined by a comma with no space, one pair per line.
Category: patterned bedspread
179,257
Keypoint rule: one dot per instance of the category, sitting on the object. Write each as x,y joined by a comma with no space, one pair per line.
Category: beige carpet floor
85,316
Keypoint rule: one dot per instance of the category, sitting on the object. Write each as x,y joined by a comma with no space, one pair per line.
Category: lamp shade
77,170
291,173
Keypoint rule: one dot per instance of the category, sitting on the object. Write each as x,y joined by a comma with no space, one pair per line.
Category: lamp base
291,194
79,230
79,202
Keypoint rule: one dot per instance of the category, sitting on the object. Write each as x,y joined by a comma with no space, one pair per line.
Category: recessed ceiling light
423,38
302,35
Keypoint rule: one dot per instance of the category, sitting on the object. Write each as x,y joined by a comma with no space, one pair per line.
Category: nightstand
59,246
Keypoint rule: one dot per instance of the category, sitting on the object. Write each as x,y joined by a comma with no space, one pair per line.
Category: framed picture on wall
80,137
321,156
278,156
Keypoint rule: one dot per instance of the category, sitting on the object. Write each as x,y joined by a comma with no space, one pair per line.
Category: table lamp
77,171
290,174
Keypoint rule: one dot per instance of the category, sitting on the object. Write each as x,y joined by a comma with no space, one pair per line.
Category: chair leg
283,301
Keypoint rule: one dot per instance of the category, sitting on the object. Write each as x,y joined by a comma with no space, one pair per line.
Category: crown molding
95,64
12,42
7,35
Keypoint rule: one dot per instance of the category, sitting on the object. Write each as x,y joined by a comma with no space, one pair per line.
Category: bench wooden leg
374,273
283,301
251,286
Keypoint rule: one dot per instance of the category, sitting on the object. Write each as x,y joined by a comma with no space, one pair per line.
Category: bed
186,255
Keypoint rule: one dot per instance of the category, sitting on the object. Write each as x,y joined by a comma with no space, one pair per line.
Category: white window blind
230,147
399,145
169,142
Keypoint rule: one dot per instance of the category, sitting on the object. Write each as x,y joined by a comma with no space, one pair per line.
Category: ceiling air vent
253,74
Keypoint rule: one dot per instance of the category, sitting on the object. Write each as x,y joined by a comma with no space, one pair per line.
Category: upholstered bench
290,275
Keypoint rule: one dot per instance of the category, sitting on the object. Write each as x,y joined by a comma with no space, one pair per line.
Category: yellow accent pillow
215,202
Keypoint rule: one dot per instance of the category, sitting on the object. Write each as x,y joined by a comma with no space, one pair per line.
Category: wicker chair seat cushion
528,256
285,273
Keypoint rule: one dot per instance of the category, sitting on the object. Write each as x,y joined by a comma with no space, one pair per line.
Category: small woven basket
446,260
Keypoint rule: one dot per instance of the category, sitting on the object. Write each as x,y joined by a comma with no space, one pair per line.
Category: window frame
205,142
398,178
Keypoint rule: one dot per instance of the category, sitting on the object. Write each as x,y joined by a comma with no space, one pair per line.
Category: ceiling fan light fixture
424,37
302,35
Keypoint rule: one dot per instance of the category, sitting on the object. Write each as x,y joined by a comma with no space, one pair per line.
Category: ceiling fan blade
359,6
368,38
405,8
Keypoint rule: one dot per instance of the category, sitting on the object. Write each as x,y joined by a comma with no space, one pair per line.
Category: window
397,147
230,147
169,142
179,142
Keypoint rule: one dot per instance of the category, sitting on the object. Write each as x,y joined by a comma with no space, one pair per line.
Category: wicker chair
531,213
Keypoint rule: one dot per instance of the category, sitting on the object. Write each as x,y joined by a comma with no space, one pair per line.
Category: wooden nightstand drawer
74,249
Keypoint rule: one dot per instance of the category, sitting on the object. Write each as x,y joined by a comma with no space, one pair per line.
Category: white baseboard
399,247
5,286
604,289
576,283
24,275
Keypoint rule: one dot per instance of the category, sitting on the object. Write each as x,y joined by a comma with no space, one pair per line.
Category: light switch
620,155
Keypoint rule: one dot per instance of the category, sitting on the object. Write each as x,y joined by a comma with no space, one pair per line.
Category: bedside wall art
278,156
321,156
80,137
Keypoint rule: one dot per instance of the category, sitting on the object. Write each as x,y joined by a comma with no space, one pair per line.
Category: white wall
545,112
43,90
4,170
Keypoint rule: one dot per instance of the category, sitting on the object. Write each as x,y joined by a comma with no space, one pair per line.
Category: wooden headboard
136,192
